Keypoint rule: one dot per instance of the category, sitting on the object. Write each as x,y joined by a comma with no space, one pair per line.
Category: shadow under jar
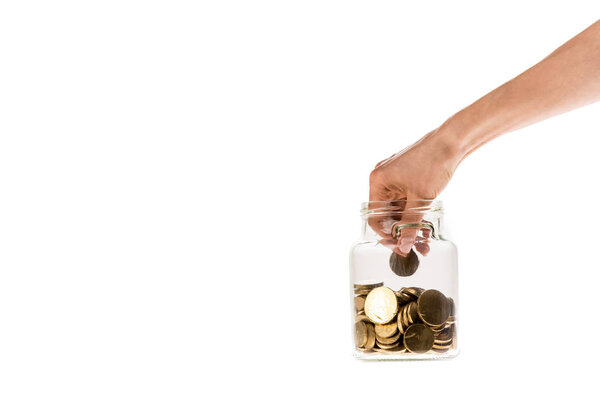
404,307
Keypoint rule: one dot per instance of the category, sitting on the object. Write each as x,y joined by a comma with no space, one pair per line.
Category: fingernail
397,251
405,245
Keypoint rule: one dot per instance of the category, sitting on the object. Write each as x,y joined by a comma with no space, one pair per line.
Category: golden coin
362,292
447,342
381,305
402,316
396,350
386,346
418,338
362,317
446,334
452,306
407,313
439,350
360,334
390,340
359,303
403,298
401,344
438,329
399,348
367,285
411,312
400,324
401,320
405,320
433,307
386,330
414,292
370,337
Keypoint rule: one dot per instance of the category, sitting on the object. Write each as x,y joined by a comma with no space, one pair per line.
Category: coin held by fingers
404,260
404,265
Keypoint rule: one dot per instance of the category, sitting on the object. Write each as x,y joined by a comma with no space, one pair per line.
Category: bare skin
568,78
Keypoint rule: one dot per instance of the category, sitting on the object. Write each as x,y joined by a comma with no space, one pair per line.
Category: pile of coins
411,319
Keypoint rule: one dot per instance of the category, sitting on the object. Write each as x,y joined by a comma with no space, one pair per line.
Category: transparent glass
404,307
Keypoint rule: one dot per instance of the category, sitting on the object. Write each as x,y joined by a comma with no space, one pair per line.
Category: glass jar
404,306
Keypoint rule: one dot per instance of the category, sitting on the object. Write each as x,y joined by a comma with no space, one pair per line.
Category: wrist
449,140
462,133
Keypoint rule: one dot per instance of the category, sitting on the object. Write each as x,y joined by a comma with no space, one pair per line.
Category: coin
443,344
362,292
433,307
359,303
404,265
401,327
437,329
362,317
414,292
403,297
386,330
407,314
411,312
381,305
418,338
370,337
394,350
360,334
390,340
452,306
398,348
368,286
402,317
408,294
405,317
440,349
401,344
446,334
446,342
387,346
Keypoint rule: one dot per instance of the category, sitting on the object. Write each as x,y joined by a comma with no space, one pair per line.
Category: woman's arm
567,79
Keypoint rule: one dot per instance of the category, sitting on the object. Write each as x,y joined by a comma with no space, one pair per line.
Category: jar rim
399,206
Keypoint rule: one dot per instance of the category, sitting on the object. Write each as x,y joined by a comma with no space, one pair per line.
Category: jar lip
398,206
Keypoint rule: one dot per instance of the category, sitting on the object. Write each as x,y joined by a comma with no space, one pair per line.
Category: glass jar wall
404,305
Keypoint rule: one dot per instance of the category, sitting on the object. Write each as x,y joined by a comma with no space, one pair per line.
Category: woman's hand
417,173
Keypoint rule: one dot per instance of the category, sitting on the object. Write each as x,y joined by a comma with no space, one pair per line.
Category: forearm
567,79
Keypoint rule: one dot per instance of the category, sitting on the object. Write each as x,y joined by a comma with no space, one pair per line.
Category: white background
180,185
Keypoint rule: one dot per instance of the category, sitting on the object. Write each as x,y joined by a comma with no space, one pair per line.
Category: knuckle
375,175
